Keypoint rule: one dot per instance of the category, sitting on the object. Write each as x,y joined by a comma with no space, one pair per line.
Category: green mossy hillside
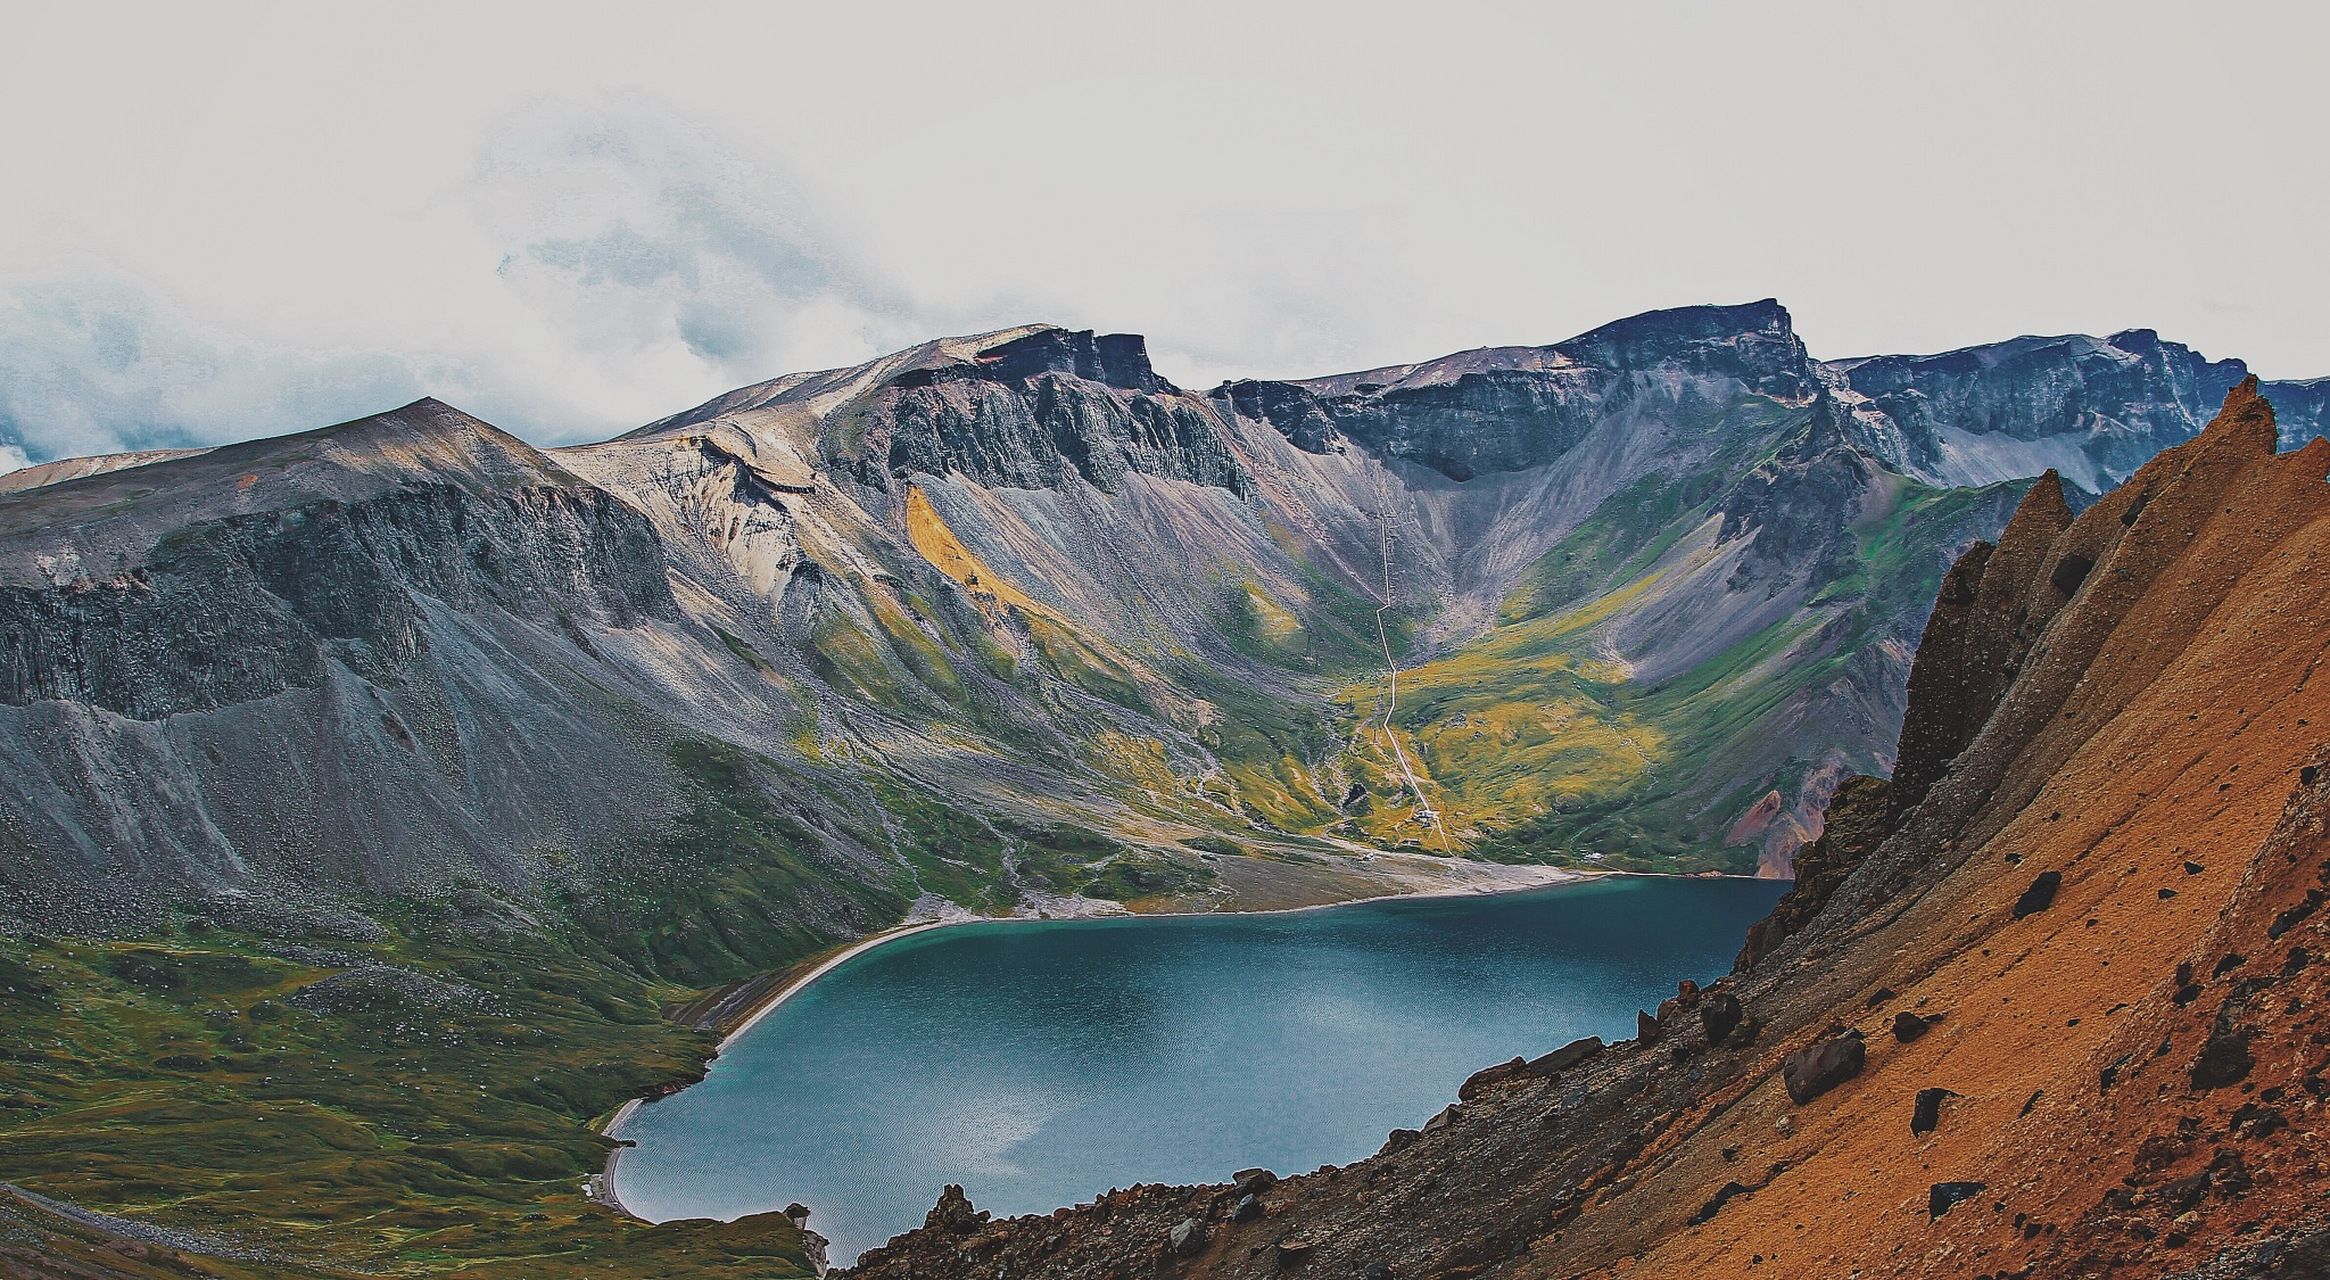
415,1104
738,884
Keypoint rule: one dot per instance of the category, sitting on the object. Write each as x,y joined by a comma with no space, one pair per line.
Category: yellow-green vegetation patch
1260,625
751,656
1139,761
1060,858
1530,736
853,661
1282,792
1144,880
1068,657
921,654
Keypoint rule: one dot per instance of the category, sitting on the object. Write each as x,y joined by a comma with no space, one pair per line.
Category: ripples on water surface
1039,1064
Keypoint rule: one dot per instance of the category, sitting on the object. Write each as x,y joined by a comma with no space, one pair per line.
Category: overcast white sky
228,220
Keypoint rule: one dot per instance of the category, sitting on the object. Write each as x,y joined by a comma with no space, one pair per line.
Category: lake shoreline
777,996
603,1190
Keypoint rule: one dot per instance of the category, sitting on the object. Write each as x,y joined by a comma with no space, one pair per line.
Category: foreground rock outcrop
2068,1016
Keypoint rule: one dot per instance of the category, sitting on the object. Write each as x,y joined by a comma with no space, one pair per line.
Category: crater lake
1039,1063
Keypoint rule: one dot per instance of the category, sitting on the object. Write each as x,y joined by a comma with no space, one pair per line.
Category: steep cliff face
136,614
2065,1018
2094,409
389,654
1512,408
1021,408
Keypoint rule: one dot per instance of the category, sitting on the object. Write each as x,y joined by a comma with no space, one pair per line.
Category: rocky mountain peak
1754,341
1119,360
1511,408
1974,643
2094,409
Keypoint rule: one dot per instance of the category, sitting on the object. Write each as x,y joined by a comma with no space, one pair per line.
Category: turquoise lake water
1039,1064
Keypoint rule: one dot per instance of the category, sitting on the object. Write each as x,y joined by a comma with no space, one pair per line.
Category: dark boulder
1908,1026
2040,896
1823,1065
1488,1077
1646,1028
1945,1196
1567,1056
1552,1064
1927,1115
2289,919
2224,1059
1253,1181
1292,1251
1249,1208
1187,1239
2184,1193
1723,1196
1720,1013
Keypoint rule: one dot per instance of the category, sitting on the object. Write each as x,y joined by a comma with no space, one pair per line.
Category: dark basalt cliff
241,606
1027,412
1971,416
2095,408
1507,409
2063,1015
1982,627
338,660
1033,432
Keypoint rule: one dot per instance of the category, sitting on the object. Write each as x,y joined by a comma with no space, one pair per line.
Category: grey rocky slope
1012,615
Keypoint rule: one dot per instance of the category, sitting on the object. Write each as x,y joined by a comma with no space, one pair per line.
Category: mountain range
383,805
1012,615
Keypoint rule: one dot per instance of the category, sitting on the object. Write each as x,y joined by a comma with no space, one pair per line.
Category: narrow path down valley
1391,666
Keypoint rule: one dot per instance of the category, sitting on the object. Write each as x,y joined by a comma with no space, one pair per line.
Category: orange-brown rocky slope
2053,1005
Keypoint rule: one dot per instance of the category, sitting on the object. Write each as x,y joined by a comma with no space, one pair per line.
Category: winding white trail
1392,669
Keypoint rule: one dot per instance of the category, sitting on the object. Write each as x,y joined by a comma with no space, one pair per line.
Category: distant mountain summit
2093,410
1011,615
1513,408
